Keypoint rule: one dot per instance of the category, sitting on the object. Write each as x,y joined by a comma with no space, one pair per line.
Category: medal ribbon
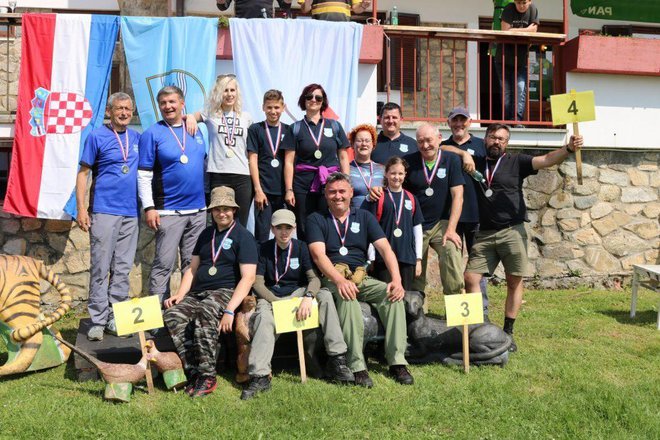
230,131
124,153
489,175
335,222
270,140
182,146
215,254
371,173
435,168
278,277
397,211
317,140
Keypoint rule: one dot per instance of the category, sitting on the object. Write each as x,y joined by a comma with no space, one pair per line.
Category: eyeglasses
311,96
497,138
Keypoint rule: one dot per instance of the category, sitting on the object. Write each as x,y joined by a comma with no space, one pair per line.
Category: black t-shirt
239,248
518,21
475,146
271,178
292,277
252,8
303,144
386,147
363,229
506,206
448,175
403,246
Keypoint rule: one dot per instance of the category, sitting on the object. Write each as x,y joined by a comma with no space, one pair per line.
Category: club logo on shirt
442,173
471,151
135,148
327,132
199,139
295,263
355,227
403,148
408,205
227,244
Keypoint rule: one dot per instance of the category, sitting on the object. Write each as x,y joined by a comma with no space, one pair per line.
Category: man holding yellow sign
285,271
502,214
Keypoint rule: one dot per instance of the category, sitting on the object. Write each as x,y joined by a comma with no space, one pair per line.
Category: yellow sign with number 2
464,309
573,107
138,314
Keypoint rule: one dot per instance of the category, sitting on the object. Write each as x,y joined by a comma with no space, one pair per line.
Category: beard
495,152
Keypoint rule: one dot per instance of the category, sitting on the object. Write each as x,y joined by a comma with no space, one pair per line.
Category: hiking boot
191,385
257,385
513,347
362,379
95,333
401,374
205,385
337,370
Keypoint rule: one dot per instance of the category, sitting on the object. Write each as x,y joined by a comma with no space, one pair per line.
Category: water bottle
394,16
264,14
476,175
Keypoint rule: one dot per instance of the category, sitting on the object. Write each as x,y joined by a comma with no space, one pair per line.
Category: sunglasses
317,98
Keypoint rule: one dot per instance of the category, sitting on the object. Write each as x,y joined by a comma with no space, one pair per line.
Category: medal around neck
318,154
274,163
343,250
230,153
398,232
124,169
429,191
183,159
489,193
213,270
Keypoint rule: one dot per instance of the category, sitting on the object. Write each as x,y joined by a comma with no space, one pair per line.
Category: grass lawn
584,370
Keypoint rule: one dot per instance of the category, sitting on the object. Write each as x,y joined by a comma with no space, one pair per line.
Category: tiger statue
26,332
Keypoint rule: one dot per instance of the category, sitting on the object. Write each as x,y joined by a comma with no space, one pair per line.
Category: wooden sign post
464,309
572,108
138,315
284,313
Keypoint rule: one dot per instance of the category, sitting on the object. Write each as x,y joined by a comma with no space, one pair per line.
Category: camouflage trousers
193,324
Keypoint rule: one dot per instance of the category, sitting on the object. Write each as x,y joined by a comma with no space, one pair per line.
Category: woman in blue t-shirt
365,173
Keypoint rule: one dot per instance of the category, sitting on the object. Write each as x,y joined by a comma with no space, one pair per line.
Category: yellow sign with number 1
138,314
573,107
464,309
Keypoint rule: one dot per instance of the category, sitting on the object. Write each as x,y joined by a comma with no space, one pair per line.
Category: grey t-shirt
222,142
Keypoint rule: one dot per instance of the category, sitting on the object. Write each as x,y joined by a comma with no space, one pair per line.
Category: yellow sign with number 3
464,309
138,314
573,107
284,312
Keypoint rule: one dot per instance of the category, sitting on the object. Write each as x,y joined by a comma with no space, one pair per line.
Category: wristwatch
308,295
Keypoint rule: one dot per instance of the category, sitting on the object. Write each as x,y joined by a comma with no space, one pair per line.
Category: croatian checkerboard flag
63,87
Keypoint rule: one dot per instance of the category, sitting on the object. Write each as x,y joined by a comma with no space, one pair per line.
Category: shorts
507,245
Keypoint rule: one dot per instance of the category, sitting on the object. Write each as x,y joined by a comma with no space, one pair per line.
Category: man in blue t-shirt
338,242
111,154
171,188
390,141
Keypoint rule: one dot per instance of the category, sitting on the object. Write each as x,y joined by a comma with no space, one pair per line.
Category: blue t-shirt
113,192
271,178
304,146
403,246
294,276
386,147
360,190
363,229
238,248
475,146
448,174
175,185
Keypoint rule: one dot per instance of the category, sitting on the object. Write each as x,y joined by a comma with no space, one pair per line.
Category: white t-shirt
223,157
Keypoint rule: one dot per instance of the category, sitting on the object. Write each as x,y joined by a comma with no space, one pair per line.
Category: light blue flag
179,51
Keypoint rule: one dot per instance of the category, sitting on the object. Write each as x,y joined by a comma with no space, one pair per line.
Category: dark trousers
307,204
242,186
407,272
262,218
468,231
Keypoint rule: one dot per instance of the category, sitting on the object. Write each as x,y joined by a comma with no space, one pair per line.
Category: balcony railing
10,55
428,72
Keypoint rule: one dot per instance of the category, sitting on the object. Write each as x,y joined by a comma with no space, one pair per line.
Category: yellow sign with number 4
138,314
573,107
464,309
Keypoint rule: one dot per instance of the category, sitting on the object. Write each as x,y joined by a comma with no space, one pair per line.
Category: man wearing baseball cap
285,271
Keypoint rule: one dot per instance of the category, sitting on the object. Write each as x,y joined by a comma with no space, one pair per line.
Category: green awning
645,11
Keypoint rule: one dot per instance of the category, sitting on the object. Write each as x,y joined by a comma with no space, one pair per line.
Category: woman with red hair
365,173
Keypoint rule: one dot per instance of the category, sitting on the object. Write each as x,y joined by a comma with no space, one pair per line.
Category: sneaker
191,385
205,385
401,374
337,370
362,379
257,385
95,333
513,347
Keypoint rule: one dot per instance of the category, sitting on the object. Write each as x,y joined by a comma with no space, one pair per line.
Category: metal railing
10,50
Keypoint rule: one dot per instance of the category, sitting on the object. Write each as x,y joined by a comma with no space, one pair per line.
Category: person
266,160
399,215
227,125
436,179
314,147
339,240
502,215
254,8
285,271
391,141
171,188
467,146
366,175
511,65
221,273
334,10
111,154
